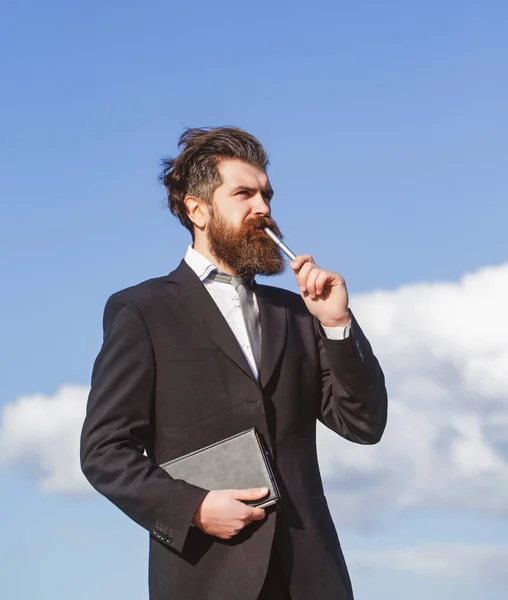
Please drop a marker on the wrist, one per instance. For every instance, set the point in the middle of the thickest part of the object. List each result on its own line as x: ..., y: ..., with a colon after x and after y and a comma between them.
x: 197, y: 518
x: 340, y: 322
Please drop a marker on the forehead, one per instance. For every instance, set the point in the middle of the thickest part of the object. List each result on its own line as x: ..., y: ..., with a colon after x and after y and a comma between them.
x: 236, y: 173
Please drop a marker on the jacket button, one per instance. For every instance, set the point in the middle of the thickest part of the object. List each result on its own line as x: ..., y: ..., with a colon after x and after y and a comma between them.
x: 169, y: 539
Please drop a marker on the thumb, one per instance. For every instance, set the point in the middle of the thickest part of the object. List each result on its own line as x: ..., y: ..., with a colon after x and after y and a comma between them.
x: 250, y: 494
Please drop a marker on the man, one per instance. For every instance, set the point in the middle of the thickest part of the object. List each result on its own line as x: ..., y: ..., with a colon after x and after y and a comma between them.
x: 188, y: 359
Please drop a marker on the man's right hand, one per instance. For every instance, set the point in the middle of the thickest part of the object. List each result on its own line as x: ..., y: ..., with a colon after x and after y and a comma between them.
x: 223, y: 514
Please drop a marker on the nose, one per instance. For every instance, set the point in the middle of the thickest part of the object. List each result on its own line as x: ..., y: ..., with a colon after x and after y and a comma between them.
x: 261, y: 205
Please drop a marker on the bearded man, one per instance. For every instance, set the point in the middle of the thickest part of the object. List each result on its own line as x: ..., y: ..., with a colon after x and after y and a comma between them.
x: 186, y: 362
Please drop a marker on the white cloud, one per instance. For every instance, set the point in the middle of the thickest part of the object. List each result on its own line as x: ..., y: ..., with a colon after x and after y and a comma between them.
x: 444, y: 350
x: 43, y: 431
x: 441, y: 562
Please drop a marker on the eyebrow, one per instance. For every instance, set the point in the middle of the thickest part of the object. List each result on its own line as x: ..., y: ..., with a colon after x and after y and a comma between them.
x: 268, y: 191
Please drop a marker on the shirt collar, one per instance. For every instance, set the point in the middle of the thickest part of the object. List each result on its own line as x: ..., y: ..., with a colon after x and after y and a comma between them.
x: 203, y: 267
x: 199, y: 263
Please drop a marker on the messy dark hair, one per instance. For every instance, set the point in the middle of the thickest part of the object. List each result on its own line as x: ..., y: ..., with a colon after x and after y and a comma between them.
x: 195, y: 171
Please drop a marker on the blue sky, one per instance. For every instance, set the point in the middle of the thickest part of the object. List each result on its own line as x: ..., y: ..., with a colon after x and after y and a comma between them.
x: 386, y: 125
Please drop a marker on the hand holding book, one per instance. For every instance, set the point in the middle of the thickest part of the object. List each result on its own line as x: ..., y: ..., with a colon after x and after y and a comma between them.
x: 238, y: 472
x: 223, y: 513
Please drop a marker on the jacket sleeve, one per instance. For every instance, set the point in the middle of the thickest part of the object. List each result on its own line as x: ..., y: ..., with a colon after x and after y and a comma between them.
x: 354, y: 399
x: 118, y: 432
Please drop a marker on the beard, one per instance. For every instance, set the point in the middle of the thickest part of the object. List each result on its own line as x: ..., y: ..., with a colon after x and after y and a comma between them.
x: 246, y: 250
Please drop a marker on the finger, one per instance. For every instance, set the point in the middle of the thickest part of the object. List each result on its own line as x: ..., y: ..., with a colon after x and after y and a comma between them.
x: 250, y: 494
x: 256, y: 514
x: 311, y: 282
x: 300, y: 260
x: 321, y: 280
x: 303, y: 275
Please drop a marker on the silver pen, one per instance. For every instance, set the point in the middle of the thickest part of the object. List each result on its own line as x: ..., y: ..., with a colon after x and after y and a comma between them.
x: 279, y: 243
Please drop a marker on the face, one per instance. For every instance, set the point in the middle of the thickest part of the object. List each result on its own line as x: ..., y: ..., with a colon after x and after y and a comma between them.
x: 240, y: 211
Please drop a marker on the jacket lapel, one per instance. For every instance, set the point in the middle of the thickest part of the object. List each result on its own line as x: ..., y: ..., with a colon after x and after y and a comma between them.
x: 273, y: 326
x: 190, y: 293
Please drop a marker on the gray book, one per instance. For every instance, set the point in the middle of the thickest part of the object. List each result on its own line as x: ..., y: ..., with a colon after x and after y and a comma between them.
x: 241, y: 461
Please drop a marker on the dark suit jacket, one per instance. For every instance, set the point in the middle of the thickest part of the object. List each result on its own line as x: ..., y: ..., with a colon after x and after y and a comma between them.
x: 171, y: 378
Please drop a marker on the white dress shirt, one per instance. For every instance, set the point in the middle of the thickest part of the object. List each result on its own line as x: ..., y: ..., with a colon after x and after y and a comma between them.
x: 226, y: 299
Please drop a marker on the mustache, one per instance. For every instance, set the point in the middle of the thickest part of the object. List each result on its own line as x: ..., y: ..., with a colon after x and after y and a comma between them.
x: 259, y: 223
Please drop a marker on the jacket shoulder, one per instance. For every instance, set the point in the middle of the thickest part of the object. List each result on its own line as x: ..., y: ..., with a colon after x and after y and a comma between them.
x: 140, y: 294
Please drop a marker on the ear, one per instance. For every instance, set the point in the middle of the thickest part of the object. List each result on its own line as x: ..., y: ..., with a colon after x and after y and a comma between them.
x: 197, y: 211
